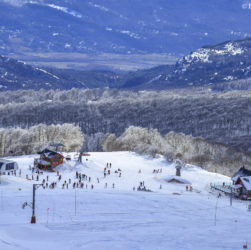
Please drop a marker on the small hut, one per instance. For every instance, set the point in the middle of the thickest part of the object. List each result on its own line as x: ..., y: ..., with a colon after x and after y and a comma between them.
x: 49, y: 159
x: 177, y: 179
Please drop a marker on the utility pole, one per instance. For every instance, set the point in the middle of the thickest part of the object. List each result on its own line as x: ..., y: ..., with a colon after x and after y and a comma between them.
x: 216, y: 205
x: 231, y: 196
x: 75, y: 202
x: 33, y: 217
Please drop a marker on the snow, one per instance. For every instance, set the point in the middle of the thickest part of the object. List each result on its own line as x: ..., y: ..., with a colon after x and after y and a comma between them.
x: 131, y: 34
x: 120, y: 218
x: 203, y: 54
x: 46, y: 72
x: 98, y: 6
x: 246, y: 182
x: 67, y: 45
x: 228, y: 78
x: 54, y: 6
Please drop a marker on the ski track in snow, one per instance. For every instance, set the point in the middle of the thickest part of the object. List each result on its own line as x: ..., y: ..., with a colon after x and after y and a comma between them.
x: 121, y: 218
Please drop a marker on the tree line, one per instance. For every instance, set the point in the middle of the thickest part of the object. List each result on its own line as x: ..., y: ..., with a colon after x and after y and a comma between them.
x: 221, y: 117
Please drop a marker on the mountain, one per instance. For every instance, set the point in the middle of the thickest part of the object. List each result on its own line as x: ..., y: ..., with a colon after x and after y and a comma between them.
x: 222, y: 66
x: 38, y: 27
x: 15, y: 75
x: 223, y: 63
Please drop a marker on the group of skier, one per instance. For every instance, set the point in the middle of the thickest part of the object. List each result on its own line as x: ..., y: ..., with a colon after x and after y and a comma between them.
x: 157, y: 171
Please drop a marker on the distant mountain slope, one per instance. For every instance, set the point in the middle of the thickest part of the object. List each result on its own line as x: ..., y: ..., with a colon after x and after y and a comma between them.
x: 16, y: 75
x: 223, y: 66
x: 127, y: 27
x: 223, y: 63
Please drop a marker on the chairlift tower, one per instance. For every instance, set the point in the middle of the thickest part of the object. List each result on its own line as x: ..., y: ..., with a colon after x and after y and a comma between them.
x: 33, y: 203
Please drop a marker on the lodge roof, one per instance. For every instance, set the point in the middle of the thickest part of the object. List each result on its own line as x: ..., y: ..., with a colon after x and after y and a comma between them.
x: 5, y: 161
x: 246, y: 181
x: 241, y: 172
x: 49, y: 153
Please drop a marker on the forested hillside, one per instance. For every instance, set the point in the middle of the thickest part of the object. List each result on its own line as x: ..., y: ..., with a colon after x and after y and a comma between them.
x: 221, y: 117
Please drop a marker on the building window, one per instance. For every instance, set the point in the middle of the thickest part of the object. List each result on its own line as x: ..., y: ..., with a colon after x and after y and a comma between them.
x: 10, y: 166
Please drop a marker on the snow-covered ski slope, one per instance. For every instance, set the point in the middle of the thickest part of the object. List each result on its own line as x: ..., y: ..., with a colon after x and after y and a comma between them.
x: 120, y: 218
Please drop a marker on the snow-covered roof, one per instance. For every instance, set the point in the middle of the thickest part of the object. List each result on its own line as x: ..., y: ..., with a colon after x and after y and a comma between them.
x: 235, y: 178
x: 246, y: 181
x: 50, y: 154
x: 5, y: 161
x: 176, y: 178
x: 241, y: 172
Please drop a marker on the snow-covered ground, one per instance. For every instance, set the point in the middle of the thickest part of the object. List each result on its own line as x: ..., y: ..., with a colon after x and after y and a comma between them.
x: 119, y: 217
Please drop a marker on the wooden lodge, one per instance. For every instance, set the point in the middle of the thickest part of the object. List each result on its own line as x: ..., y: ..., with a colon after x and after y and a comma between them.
x: 49, y: 159
x: 243, y: 186
x: 242, y: 183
